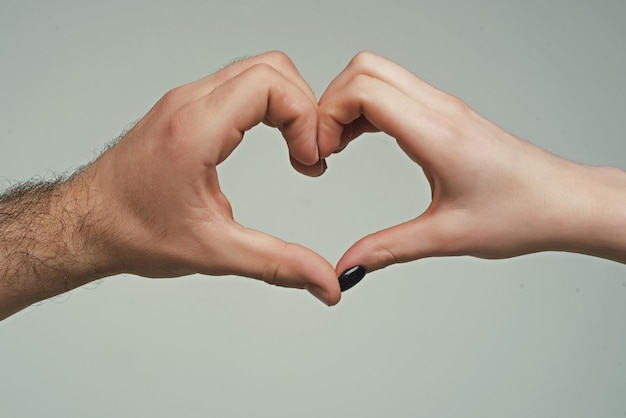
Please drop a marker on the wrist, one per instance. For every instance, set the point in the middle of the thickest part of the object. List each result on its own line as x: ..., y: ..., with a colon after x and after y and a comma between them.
x: 79, y: 211
x: 592, y: 217
x: 44, y: 242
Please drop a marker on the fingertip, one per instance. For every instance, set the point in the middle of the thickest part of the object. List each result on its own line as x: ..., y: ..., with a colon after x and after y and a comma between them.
x: 328, y: 298
x: 302, y: 144
x: 322, y: 283
x: 351, y: 277
x: 329, y: 133
x: 314, y: 170
x: 334, y: 298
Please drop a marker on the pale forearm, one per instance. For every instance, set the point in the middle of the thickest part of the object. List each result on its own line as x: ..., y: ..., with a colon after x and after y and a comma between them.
x: 43, y: 245
x: 600, y: 229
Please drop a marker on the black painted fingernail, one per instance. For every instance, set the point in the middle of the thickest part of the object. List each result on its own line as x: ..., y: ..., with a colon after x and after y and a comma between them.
x: 350, y: 277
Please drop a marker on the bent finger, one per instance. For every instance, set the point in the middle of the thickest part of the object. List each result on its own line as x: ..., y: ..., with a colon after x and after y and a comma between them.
x: 257, y: 94
x: 417, y: 129
x: 276, y: 59
x: 373, y: 65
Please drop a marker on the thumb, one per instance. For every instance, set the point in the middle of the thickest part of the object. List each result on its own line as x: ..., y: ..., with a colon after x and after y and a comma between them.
x: 426, y: 236
x: 257, y: 255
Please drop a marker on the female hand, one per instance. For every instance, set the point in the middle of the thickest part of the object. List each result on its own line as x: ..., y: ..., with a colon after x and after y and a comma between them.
x: 493, y: 195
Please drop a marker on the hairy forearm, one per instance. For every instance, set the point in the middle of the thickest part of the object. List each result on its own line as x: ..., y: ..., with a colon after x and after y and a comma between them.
x: 44, y: 245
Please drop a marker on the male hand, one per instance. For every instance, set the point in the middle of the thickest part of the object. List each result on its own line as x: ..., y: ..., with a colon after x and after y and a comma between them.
x: 156, y: 198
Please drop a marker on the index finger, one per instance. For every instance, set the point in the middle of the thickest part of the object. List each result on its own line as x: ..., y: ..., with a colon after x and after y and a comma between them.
x: 276, y: 59
x: 365, y: 68
x: 257, y: 94
x: 416, y: 127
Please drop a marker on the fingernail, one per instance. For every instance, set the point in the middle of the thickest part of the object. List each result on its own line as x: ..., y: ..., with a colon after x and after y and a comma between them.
x: 324, y: 166
x: 318, y: 292
x: 350, y: 277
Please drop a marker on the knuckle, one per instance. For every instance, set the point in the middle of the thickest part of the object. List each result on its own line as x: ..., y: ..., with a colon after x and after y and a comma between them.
x: 385, y: 256
x: 271, y: 272
x: 363, y: 60
x: 258, y: 79
x: 279, y: 59
x: 362, y: 83
x: 389, y: 256
x: 383, y: 253
x: 262, y: 71
x: 171, y: 99
x: 361, y: 80
x: 286, y: 267
x: 458, y: 106
x: 176, y: 125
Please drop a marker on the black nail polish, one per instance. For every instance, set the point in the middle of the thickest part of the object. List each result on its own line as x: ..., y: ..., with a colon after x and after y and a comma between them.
x: 350, y: 277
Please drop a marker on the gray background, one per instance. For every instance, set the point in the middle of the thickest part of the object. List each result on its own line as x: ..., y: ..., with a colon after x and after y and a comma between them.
x: 537, y: 336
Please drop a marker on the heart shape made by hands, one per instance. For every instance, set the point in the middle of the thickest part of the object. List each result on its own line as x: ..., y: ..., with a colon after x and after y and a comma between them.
x: 171, y: 157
